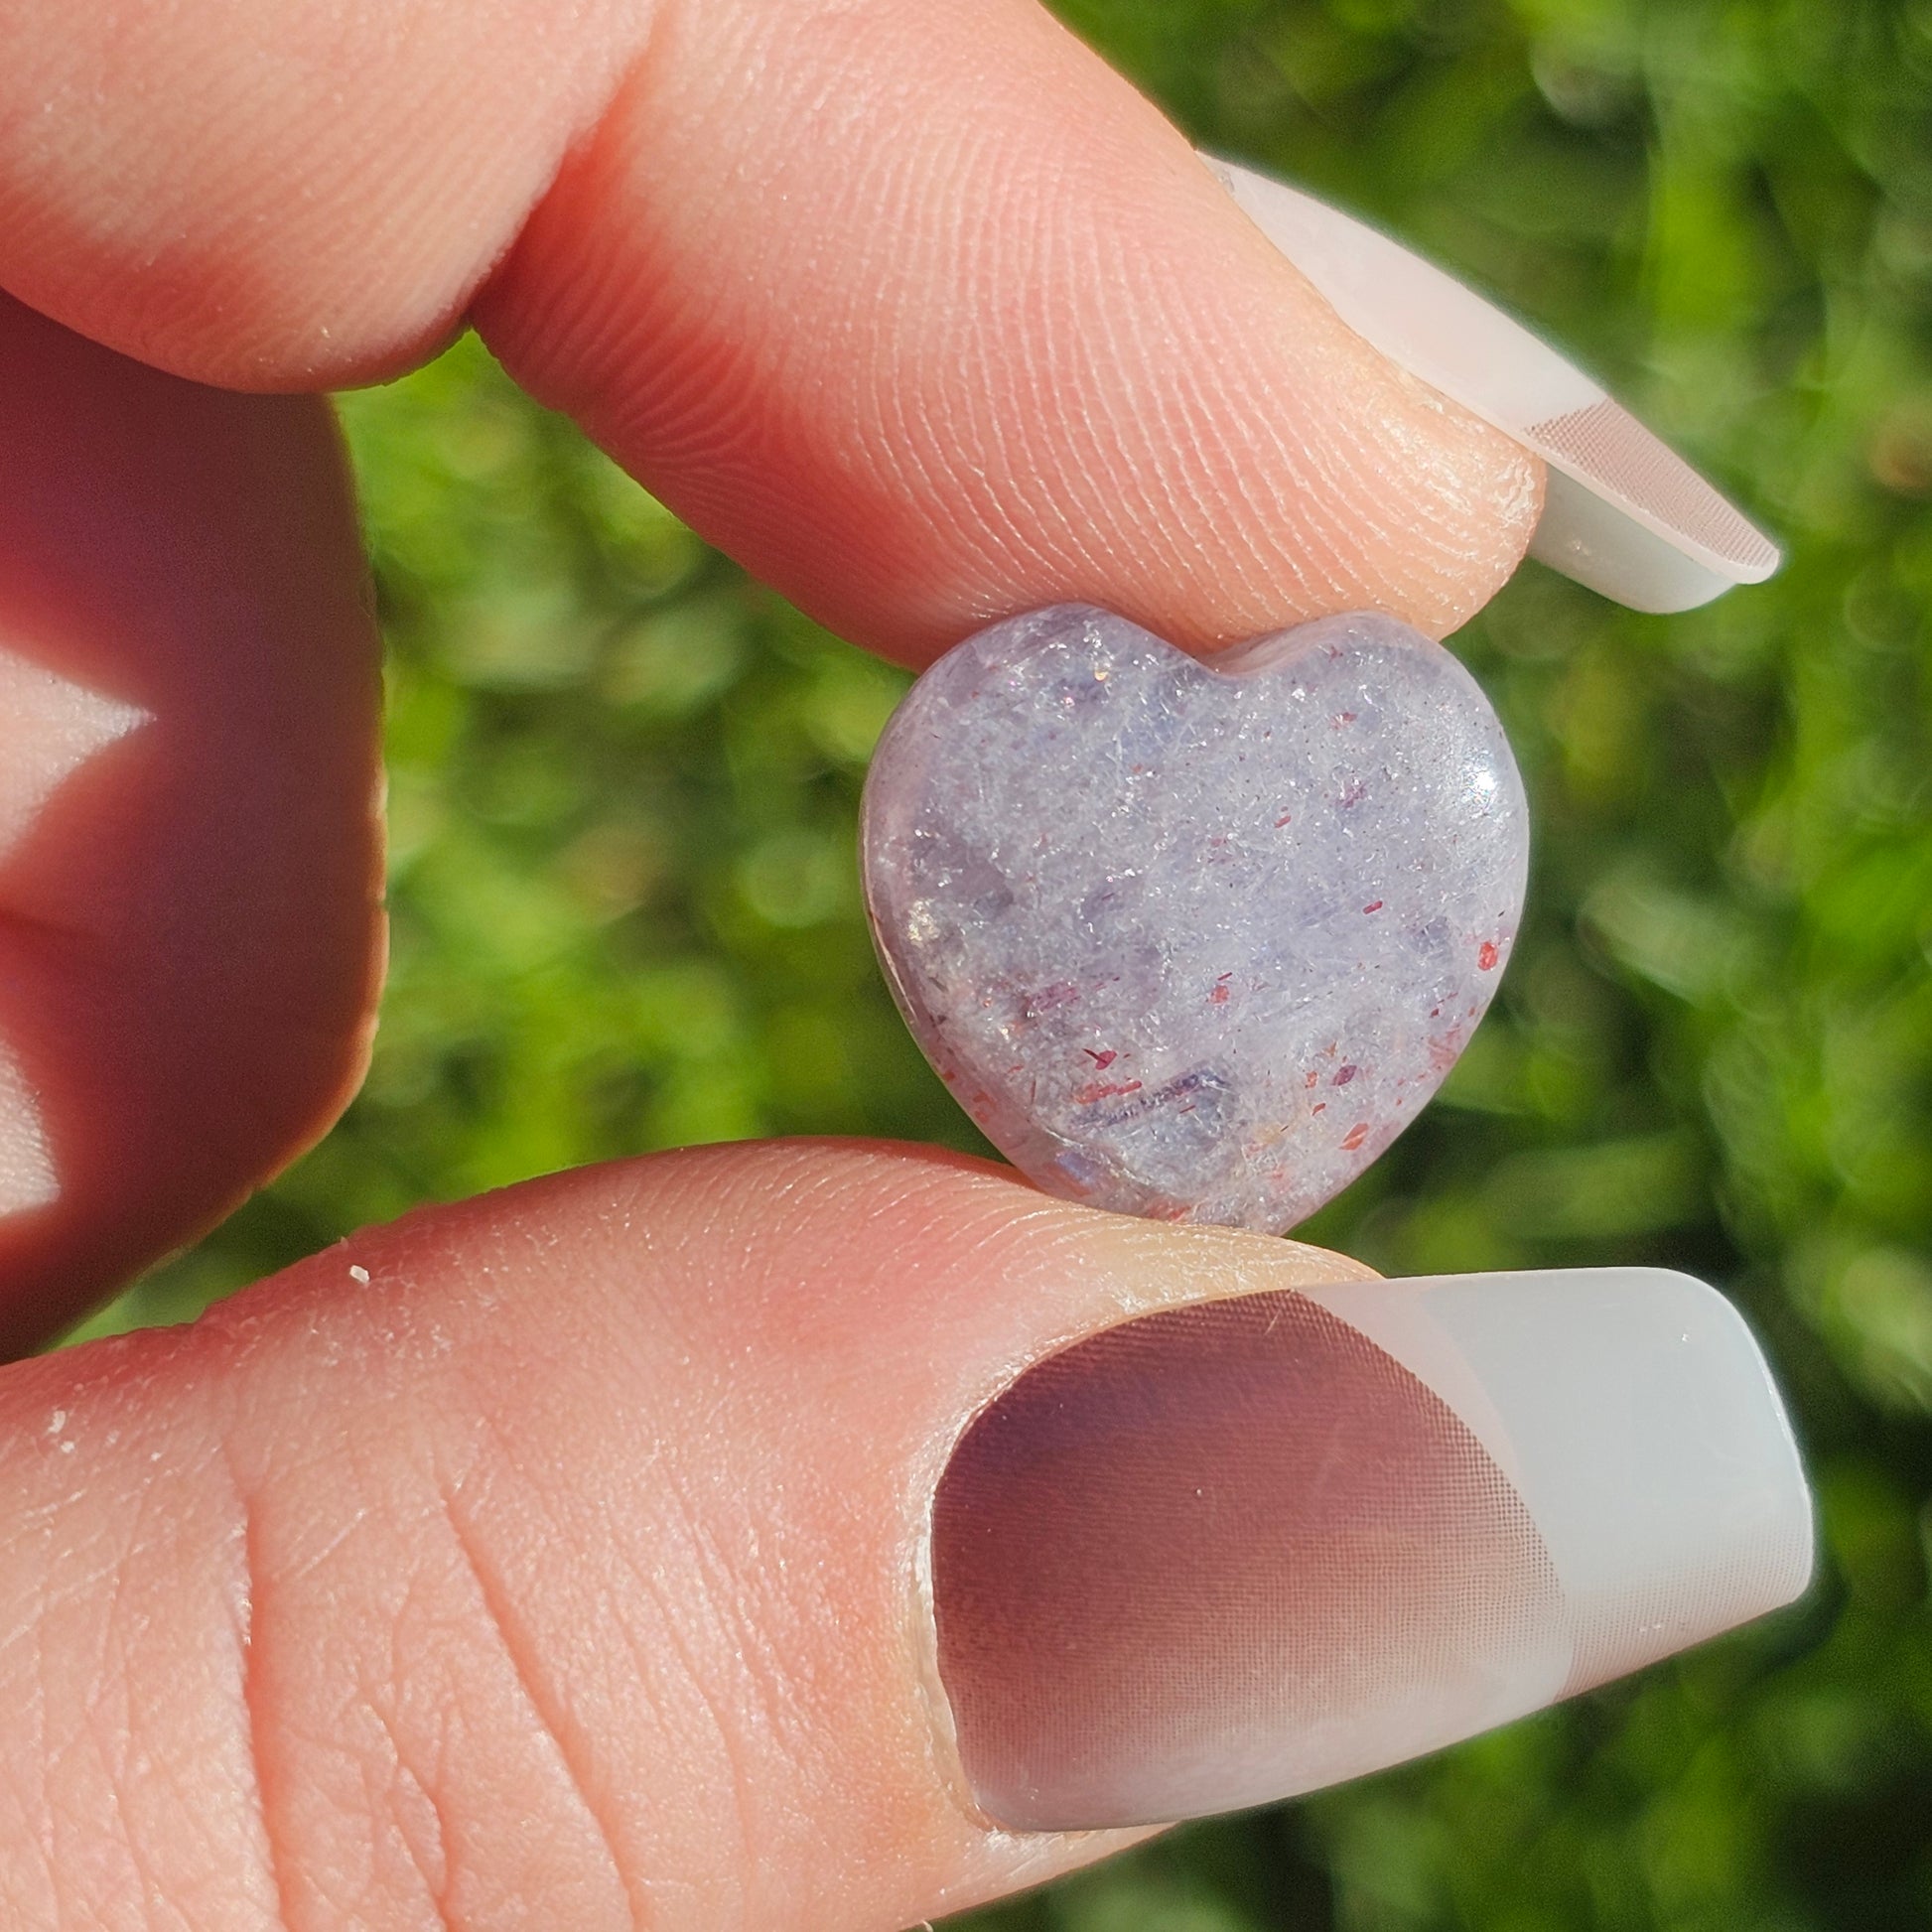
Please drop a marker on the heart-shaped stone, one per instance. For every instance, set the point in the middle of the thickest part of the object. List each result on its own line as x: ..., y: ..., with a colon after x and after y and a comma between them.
x: 1194, y: 940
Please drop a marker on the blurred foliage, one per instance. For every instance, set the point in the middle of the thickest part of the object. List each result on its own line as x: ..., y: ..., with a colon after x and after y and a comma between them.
x: 624, y: 791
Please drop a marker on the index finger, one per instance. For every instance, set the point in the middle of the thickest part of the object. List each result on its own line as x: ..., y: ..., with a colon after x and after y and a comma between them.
x: 917, y: 310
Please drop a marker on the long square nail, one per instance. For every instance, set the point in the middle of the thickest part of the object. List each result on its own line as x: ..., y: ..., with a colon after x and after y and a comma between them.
x: 1622, y: 512
x: 1241, y: 1549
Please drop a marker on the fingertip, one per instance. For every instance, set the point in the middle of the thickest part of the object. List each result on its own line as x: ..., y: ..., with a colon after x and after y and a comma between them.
x: 988, y: 337
x: 918, y: 310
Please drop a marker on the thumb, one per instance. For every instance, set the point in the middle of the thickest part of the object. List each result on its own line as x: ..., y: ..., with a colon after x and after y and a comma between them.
x: 811, y: 1535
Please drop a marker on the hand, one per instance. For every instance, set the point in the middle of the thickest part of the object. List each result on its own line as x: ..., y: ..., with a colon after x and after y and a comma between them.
x: 563, y: 1572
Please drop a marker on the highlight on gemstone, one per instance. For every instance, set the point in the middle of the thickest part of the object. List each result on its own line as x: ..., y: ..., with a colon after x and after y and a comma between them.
x: 1189, y: 940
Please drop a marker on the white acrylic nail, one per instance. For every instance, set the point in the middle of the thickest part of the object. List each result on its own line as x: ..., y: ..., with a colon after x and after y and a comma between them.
x: 1240, y: 1549
x: 1622, y: 514
x: 1632, y: 1412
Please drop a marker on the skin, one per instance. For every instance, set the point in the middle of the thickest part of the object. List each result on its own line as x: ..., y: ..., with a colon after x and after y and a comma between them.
x: 564, y: 1573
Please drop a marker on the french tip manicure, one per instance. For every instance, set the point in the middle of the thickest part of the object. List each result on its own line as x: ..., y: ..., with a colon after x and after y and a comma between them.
x: 1622, y: 514
x: 1241, y: 1549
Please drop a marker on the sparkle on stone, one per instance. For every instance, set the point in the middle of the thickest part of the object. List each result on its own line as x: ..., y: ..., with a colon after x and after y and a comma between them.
x: 1188, y: 941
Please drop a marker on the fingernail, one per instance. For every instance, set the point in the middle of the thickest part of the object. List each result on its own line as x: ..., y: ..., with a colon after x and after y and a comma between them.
x: 1622, y: 512
x: 1238, y: 1550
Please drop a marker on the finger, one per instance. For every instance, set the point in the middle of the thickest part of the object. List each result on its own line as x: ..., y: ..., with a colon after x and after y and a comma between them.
x: 802, y: 1536
x: 188, y: 855
x: 926, y: 316
x: 916, y: 309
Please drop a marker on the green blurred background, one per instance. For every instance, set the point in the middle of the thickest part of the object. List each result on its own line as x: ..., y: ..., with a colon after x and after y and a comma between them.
x: 624, y: 789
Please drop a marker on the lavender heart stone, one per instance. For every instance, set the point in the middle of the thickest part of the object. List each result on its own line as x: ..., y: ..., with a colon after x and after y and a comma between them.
x: 1188, y: 941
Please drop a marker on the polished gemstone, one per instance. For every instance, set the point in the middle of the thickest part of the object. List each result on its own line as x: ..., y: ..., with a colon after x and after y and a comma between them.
x: 1194, y: 940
